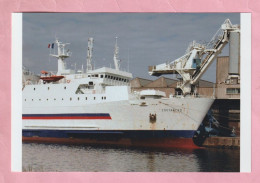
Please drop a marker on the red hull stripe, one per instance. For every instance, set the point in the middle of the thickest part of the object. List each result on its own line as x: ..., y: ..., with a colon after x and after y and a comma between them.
x: 151, y: 143
x: 66, y: 116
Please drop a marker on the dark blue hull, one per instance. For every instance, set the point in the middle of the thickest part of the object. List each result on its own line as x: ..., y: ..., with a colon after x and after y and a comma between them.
x: 147, y: 138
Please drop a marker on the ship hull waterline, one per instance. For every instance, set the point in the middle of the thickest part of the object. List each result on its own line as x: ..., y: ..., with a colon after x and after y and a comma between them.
x: 128, y: 138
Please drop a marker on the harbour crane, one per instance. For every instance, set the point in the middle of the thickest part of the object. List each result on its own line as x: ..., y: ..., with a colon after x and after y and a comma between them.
x: 197, y: 58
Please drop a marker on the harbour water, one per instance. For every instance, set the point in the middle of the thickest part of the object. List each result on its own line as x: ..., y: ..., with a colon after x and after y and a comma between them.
x: 67, y: 158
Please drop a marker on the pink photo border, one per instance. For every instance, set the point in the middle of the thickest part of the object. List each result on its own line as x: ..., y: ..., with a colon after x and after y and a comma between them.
x: 11, y: 6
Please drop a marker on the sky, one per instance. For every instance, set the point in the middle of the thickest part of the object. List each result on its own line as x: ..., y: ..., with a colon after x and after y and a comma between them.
x: 144, y: 39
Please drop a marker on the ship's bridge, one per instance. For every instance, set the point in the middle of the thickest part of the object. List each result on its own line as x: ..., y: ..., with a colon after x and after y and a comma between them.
x: 111, y: 77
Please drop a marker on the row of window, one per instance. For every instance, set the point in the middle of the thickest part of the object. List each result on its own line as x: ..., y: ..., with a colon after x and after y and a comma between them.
x: 86, y: 98
x: 109, y: 77
x: 49, y: 88
x: 233, y: 91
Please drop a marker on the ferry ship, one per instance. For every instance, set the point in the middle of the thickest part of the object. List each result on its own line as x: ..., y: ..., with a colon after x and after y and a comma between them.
x: 97, y: 107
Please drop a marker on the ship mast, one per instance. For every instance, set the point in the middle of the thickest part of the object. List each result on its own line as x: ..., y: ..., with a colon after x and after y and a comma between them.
x: 89, y: 54
x: 61, y: 56
x: 116, y: 53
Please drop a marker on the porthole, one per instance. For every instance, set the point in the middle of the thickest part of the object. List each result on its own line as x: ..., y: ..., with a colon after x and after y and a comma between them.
x: 105, y: 98
x: 33, y: 88
x: 70, y: 98
x: 32, y: 99
x: 64, y: 87
x: 94, y: 98
x: 55, y: 99
x: 39, y: 99
x: 62, y: 99
x: 78, y: 98
x: 47, y: 99
x: 24, y: 99
x: 86, y: 98
x: 48, y: 88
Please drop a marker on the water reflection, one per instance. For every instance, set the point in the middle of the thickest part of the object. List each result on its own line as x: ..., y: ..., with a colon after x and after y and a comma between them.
x: 43, y: 157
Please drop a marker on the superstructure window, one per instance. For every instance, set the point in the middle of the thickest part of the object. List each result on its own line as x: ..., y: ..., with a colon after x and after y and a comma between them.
x: 78, y: 98
x: 233, y: 91
x: 65, y: 87
x: 101, y: 76
x: 33, y: 88
x: 94, y: 98
x: 70, y: 98
x: 105, y: 76
x: 86, y: 98
x: 48, y: 88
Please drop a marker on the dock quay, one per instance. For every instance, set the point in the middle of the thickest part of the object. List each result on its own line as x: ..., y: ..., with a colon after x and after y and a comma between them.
x: 222, y: 142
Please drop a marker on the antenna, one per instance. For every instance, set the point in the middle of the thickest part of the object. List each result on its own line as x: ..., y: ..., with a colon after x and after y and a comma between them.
x: 116, y: 52
x: 89, y: 54
x: 128, y: 61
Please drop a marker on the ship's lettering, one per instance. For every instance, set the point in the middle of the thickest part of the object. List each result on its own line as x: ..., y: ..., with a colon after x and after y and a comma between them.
x: 171, y: 110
